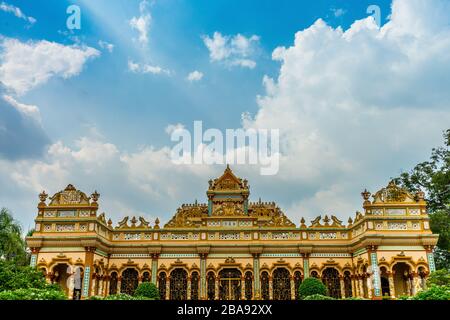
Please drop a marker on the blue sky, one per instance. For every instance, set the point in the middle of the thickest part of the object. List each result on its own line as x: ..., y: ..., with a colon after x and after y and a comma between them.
x: 96, y: 122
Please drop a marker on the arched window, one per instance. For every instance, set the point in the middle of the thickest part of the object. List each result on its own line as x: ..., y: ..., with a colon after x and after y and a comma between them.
x: 129, y: 281
x: 178, y: 284
x: 314, y: 274
x: 384, y: 279
x: 211, y: 284
x: 265, y: 285
x: 146, y: 276
x: 348, y: 284
x: 248, y: 285
x: 162, y: 285
x: 113, y: 283
x: 281, y: 284
x: 297, y: 282
x: 330, y: 277
x: 195, y: 279
x: 230, y: 284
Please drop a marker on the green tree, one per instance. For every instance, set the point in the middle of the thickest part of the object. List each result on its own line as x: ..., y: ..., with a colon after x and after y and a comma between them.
x: 311, y: 286
x: 439, y: 278
x: 433, y: 177
x: 12, y: 245
x: 14, y: 276
x: 147, y: 290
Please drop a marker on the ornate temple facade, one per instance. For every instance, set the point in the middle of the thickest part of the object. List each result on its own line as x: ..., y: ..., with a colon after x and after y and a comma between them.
x: 231, y: 248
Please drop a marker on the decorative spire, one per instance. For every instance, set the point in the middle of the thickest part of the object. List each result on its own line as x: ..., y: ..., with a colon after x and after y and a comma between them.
x: 365, y: 194
x: 156, y: 224
x: 43, y: 196
x: 95, y: 196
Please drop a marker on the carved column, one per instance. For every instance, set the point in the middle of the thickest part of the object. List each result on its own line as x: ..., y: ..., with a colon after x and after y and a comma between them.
x: 369, y: 287
x: 188, y: 293
x: 270, y: 288
x: 107, y: 285
x: 155, y: 257
x: 203, y: 291
x: 34, y: 256
x: 243, y: 287
x: 306, y: 265
x: 119, y: 284
x: 168, y: 288
x: 216, y: 287
x: 292, y: 288
x: 89, y: 260
x: 361, y: 287
x: 430, y: 258
x: 341, y: 282
x: 415, y: 283
x: 391, y: 284
x: 354, y: 290
x: 375, y: 278
x: 71, y: 284
x: 256, y: 282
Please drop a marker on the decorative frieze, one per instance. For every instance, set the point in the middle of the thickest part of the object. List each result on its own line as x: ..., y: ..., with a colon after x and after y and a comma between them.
x: 327, y: 235
x: 395, y: 212
x: 65, y: 227
x: 397, y: 226
x: 132, y: 236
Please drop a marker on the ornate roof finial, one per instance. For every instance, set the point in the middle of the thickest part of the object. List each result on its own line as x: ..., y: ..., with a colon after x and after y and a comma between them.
x: 365, y: 194
x: 43, y: 196
x: 109, y: 222
x: 95, y: 196
x: 156, y: 223
x: 350, y: 221
x: 133, y: 222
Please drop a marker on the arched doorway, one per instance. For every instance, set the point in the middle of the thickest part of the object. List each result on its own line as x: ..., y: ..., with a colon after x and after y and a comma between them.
x: 178, y: 284
x: 195, y: 280
x: 129, y: 281
x: 281, y: 284
x: 248, y: 285
x: 265, y: 295
x: 162, y: 280
x: 348, y: 284
x: 384, y: 278
x: 230, y: 284
x: 330, y: 277
x: 211, y: 285
x: 402, y: 279
x: 77, y: 283
x: 113, y: 281
x: 61, y: 275
x: 297, y: 282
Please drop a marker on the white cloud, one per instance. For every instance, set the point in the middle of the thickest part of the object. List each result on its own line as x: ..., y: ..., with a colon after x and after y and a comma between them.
x: 16, y: 11
x: 146, y: 68
x: 356, y: 107
x: 25, y: 109
x: 25, y: 65
x: 236, y: 50
x: 142, y: 23
x: 195, y: 76
x: 106, y: 45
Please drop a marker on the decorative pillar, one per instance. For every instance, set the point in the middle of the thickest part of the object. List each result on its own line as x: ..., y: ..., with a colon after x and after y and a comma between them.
x: 369, y: 287
x: 415, y: 283
x: 306, y: 265
x: 270, y: 288
x: 107, y: 285
x: 292, y: 288
x: 216, y: 288
x: 243, y: 287
x: 341, y: 282
x: 89, y: 260
x: 155, y: 257
x: 119, y: 284
x: 168, y: 288
x: 188, y: 293
x: 355, y: 292
x: 203, y: 291
x: 71, y: 283
x: 34, y: 257
x: 256, y: 282
x: 361, y: 287
x: 375, y: 272
x: 430, y: 258
x: 391, y: 284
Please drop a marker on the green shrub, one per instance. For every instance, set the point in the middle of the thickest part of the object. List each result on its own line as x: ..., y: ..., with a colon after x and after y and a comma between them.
x: 33, y: 294
x: 434, y: 293
x: 123, y: 296
x: 14, y: 277
x: 318, y: 297
x: 148, y: 290
x: 311, y: 286
x: 354, y: 298
x: 439, y: 278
